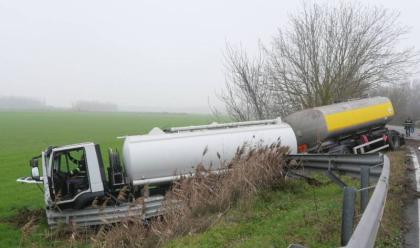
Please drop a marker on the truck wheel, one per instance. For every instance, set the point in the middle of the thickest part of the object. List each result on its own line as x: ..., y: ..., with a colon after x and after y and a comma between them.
x: 341, y: 149
x: 393, y: 140
x: 346, y: 150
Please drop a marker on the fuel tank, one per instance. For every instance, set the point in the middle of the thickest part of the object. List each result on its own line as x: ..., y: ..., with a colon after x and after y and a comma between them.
x: 159, y: 156
x: 321, y: 123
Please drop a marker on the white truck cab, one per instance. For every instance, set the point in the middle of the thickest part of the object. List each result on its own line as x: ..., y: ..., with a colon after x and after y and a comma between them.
x: 72, y: 175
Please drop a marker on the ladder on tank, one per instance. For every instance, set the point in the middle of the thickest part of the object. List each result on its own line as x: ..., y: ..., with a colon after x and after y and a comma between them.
x: 216, y: 125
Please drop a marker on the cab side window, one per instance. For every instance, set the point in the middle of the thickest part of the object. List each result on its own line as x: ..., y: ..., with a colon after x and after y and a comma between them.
x: 70, y: 173
x: 76, y: 161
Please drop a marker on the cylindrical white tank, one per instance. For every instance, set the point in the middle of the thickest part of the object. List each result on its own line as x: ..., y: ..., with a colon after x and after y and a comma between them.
x: 160, y: 157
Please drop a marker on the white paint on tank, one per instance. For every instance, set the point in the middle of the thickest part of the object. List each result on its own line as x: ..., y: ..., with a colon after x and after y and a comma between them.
x: 169, y: 154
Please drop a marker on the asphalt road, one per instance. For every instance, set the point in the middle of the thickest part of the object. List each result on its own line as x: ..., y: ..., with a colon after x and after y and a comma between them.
x: 414, y: 136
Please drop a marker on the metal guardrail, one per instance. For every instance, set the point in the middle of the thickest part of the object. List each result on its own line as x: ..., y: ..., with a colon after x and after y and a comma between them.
x: 365, y: 233
x: 96, y: 216
x: 368, y: 167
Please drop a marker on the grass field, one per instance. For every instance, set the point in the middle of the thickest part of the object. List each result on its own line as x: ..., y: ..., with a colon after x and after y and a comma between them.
x: 297, y: 214
x: 24, y: 135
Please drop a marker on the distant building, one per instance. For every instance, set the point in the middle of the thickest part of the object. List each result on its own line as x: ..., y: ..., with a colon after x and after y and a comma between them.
x: 91, y: 106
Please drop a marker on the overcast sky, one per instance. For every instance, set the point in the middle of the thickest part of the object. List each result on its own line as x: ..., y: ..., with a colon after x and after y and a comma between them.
x: 158, y: 55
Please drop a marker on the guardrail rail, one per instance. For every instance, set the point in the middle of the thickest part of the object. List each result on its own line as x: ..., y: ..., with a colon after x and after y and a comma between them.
x: 374, y: 171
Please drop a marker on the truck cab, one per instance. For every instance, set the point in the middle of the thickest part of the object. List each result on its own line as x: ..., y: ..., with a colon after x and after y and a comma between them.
x: 73, y: 176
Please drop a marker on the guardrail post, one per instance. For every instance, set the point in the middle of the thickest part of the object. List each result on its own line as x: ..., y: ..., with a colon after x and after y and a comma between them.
x: 364, y: 183
x: 347, y: 219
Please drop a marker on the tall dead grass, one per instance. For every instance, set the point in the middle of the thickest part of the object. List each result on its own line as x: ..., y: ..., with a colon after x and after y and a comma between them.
x: 194, y: 204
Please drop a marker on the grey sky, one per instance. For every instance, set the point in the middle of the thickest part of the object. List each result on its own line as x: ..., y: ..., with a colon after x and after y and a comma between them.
x: 161, y: 55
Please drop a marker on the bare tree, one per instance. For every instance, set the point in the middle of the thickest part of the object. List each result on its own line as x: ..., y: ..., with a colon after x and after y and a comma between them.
x: 400, y: 97
x: 404, y: 98
x: 246, y: 92
x: 413, y: 109
x: 328, y: 53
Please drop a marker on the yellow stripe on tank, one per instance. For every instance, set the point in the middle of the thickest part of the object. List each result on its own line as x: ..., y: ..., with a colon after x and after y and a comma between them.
x: 354, y: 117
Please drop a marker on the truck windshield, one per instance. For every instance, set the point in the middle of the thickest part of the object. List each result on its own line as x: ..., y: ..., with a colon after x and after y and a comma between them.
x: 69, y: 173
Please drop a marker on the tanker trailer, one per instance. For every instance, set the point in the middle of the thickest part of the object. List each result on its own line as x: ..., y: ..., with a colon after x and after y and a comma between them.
x: 74, y: 177
x: 349, y: 127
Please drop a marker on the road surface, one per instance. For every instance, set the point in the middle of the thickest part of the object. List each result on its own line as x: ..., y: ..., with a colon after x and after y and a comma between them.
x: 414, y: 136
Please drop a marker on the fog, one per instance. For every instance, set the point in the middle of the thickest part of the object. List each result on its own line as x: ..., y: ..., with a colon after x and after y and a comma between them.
x: 139, y: 55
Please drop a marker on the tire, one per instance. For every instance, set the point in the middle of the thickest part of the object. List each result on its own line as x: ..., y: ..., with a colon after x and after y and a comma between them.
x: 341, y: 149
x: 393, y: 140
x: 346, y: 150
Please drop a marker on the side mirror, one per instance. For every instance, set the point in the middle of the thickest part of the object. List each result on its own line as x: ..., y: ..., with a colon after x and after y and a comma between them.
x: 35, y: 171
x: 35, y: 174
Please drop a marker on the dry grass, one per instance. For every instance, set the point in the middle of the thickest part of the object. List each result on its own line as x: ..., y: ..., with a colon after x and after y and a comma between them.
x: 25, y: 216
x: 28, y: 220
x: 204, y: 199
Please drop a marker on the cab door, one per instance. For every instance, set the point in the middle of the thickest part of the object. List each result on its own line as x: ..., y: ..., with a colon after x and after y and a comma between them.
x: 77, y: 176
x: 69, y: 174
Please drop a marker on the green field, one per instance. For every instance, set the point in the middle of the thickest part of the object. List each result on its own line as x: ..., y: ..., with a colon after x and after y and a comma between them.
x: 24, y: 135
x: 296, y: 214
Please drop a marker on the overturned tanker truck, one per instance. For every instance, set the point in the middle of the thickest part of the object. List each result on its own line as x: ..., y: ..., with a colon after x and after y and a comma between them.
x: 357, y: 127
x: 74, y: 177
